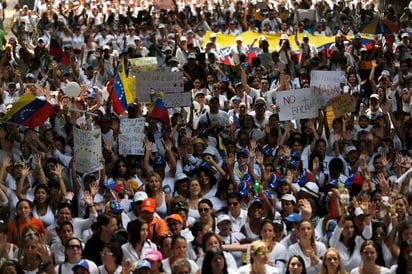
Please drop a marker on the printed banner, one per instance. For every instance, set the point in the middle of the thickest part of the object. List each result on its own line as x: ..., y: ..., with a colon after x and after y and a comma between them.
x: 326, y: 84
x: 131, y: 137
x: 87, y: 150
x: 297, y: 104
x: 144, y: 64
x: 158, y: 81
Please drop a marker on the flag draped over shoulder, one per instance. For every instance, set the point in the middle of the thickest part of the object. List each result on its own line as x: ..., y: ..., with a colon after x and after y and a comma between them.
x: 57, y: 52
x: 160, y: 113
x: 29, y: 111
x: 118, y: 88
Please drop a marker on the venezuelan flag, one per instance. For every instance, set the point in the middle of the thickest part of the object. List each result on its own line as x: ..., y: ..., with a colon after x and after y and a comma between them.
x: 57, y: 52
x: 118, y: 88
x: 29, y: 111
x: 160, y: 113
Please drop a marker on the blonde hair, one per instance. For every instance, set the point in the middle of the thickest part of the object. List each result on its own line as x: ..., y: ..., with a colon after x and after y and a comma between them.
x: 324, y: 268
x: 312, y: 238
x: 257, y: 246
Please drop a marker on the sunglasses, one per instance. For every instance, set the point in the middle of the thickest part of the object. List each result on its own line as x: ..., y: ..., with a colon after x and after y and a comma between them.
x: 73, y: 247
x: 203, y: 209
x: 106, y: 253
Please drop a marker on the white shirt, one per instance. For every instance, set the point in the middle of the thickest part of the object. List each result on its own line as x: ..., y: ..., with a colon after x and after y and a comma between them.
x: 246, y: 269
x: 130, y: 253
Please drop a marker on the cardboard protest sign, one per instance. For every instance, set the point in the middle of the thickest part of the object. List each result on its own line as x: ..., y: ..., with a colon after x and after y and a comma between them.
x: 87, y: 150
x: 342, y: 104
x: 297, y: 104
x: 132, y: 136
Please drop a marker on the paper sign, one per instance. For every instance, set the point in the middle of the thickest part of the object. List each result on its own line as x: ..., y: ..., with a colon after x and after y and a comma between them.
x: 305, y: 14
x: 87, y: 150
x: 342, y: 104
x: 132, y: 136
x: 297, y: 104
x: 144, y: 64
x: 326, y: 84
x: 163, y: 4
x: 157, y: 81
x: 182, y: 99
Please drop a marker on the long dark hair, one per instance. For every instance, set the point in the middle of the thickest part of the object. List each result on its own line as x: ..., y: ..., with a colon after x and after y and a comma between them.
x: 207, y: 262
x: 302, y: 262
x: 402, y: 263
x: 30, y: 205
x: 133, y: 230
x: 351, y: 241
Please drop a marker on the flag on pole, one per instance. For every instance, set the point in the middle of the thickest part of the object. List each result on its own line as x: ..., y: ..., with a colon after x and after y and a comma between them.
x: 29, y: 111
x: 117, y: 89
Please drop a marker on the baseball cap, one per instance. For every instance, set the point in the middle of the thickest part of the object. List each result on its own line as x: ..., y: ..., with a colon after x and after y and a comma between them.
x: 113, y: 207
x: 376, y: 96
x: 359, y: 212
x: 86, y: 265
x: 239, y: 38
x: 256, y: 201
x: 175, y: 217
x: 288, y: 197
x: 159, y: 161
x: 213, y: 35
x: 181, y: 176
x: 405, y: 35
x: 154, y: 255
x: 348, y: 149
x: 293, y: 218
x: 149, y: 204
x: 19, y: 163
x: 199, y: 92
x: 311, y: 188
x: 140, y: 265
x: 139, y: 196
x: 284, y: 37
x: 222, y: 218
x: 29, y: 75
x: 191, y: 56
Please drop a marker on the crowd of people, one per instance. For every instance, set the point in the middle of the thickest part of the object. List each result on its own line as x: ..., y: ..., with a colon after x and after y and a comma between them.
x: 226, y: 187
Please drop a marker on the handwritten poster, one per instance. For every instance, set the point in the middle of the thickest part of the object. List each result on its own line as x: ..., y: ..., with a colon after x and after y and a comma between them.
x: 297, y: 104
x: 326, y: 84
x: 166, y: 81
x: 174, y: 100
x: 87, y: 150
x: 342, y: 104
x: 132, y: 136
x: 163, y: 4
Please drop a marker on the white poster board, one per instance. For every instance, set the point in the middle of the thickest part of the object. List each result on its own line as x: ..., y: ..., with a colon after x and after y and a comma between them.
x: 297, y: 104
x: 326, y: 84
x: 87, y: 150
x: 305, y: 14
x: 132, y: 136
x: 157, y: 81
x: 174, y: 100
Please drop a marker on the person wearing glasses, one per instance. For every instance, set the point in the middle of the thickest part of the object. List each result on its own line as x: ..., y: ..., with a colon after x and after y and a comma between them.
x: 259, y: 256
x: 112, y: 256
x: 217, y: 92
x: 205, y: 208
x: 73, y: 250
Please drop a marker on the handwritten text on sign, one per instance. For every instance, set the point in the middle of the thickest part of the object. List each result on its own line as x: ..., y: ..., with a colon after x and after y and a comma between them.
x: 297, y: 104
x: 326, y: 84
x: 87, y: 150
x: 132, y: 136
x: 157, y: 81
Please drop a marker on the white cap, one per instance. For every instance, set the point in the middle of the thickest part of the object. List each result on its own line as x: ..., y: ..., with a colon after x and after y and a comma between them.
x: 139, y: 196
x: 222, y: 218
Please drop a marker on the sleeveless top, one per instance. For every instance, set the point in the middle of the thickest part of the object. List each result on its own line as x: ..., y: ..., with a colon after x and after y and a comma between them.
x: 47, y: 219
x: 162, y: 209
x: 250, y: 234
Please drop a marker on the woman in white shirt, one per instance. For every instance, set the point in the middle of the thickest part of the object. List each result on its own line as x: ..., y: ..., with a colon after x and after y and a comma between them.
x: 139, y: 244
x: 308, y: 248
x: 259, y: 255
x: 369, y: 253
x: 345, y: 240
